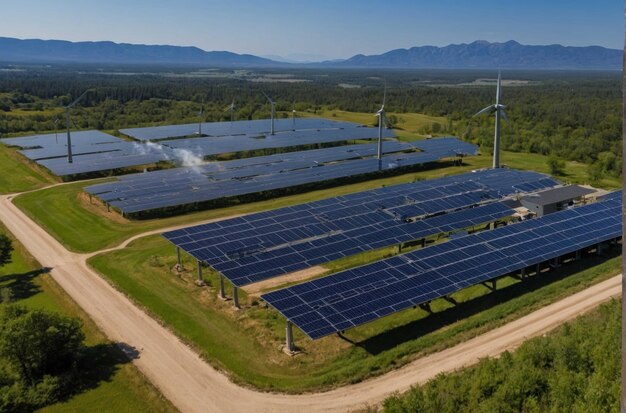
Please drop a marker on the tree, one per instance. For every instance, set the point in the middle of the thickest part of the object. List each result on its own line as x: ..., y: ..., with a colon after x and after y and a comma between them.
x: 6, y: 247
x: 38, y: 344
x: 556, y: 165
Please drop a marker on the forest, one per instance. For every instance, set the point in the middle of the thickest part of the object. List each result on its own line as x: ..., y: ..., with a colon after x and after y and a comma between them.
x: 575, y: 369
x: 568, y: 115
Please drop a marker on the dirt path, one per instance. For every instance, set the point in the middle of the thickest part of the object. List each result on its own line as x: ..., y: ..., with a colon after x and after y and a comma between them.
x: 194, y: 386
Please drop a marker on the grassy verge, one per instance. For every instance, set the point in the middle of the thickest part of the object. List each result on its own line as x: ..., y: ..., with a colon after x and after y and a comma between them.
x: 113, y: 383
x: 18, y: 175
x: 246, y: 343
x: 67, y: 215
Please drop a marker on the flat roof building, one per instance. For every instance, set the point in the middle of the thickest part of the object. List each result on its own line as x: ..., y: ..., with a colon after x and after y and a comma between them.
x: 553, y: 200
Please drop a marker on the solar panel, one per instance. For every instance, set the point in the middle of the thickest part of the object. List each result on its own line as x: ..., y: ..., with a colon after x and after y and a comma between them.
x: 268, y: 244
x: 155, y: 190
x: 353, y: 297
x: 247, y: 127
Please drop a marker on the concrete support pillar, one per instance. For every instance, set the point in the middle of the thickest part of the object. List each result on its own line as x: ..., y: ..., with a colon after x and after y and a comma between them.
x: 236, y: 297
x: 200, y: 281
x: 179, y: 266
x: 222, y: 293
x: 291, y: 348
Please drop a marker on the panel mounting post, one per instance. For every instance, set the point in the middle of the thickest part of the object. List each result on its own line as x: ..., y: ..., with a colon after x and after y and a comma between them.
x: 200, y: 281
x: 289, y: 346
x: 222, y: 293
x: 179, y: 266
x: 236, y: 297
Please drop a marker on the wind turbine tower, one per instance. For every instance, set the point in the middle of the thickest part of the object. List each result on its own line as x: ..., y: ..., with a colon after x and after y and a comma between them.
x: 273, y: 114
x: 498, y: 109
x: 67, y: 123
x: 382, y: 120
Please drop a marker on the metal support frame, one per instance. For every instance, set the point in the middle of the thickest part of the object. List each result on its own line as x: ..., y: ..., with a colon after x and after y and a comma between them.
x: 179, y: 266
x: 493, y: 285
x: 450, y: 299
x: 577, y: 256
x: 555, y: 262
x: 289, y: 345
x: 426, y: 307
x: 599, y: 248
x: 523, y: 274
x: 538, y: 271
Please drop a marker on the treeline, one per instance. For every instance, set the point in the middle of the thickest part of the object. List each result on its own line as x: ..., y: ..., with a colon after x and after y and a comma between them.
x: 570, y: 115
x: 576, y: 370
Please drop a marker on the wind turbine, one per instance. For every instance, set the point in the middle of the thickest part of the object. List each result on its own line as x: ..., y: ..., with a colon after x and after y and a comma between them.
x: 67, y: 122
x: 200, y: 116
x: 273, y: 105
x: 499, y: 111
x: 231, y: 107
x: 382, y: 120
x: 293, y: 116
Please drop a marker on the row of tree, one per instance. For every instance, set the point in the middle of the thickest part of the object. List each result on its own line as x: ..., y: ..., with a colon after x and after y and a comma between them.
x: 574, y: 370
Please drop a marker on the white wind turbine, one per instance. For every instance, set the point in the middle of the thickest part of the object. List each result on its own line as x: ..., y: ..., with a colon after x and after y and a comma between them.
x: 231, y: 108
x: 498, y: 108
x: 382, y: 120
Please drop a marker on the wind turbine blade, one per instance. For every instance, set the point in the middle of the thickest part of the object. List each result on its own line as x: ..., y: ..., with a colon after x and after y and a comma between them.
x: 488, y: 109
x: 503, y: 114
x: 268, y: 98
x: 385, y: 94
x: 498, y: 92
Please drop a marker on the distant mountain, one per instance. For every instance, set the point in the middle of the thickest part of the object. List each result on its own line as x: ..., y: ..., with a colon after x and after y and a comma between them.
x: 482, y: 54
x: 59, y: 51
x: 479, y: 54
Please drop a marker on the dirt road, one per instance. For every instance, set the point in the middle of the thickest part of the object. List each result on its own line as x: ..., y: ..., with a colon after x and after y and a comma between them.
x: 194, y: 386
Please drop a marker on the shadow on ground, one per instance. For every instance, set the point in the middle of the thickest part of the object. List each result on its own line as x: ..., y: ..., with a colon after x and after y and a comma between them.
x: 22, y: 286
x: 413, y: 330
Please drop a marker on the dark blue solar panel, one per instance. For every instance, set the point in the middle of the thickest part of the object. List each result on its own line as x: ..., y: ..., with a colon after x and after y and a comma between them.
x: 366, y: 293
x: 252, y: 127
x: 254, y: 247
x: 154, y: 190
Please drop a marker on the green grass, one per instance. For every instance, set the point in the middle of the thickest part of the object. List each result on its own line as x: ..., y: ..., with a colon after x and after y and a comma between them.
x: 115, y: 384
x: 246, y: 343
x: 18, y: 175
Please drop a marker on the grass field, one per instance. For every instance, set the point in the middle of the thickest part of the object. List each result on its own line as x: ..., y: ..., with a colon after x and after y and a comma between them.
x: 70, y: 218
x: 247, y: 343
x: 114, y: 385
x: 18, y: 175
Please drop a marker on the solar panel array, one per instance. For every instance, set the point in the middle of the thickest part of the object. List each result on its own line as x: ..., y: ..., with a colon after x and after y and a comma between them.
x: 351, y: 298
x: 95, y: 151
x: 245, y: 127
x: 226, y: 144
x: 140, y: 193
x: 92, y: 151
x: 260, y: 246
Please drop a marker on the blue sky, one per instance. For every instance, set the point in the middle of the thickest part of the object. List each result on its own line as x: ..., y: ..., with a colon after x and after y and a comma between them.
x: 321, y: 28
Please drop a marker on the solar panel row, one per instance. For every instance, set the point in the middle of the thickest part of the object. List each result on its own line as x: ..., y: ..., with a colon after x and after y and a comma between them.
x: 226, y: 144
x: 197, y: 185
x: 245, y: 127
x: 268, y: 244
x: 351, y: 298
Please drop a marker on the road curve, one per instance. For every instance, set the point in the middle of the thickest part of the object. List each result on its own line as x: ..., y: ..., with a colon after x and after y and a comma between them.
x: 194, y: 386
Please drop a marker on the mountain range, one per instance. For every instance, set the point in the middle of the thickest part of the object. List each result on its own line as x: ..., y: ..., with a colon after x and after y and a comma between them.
x: 478, y: 54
